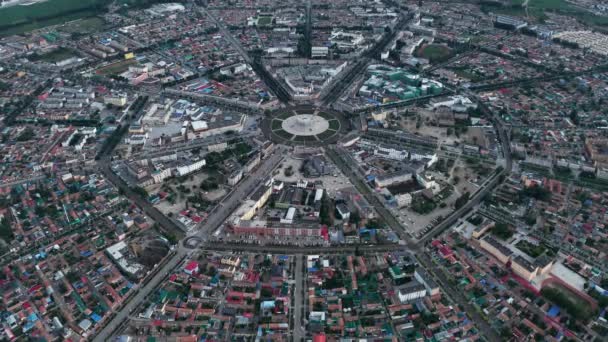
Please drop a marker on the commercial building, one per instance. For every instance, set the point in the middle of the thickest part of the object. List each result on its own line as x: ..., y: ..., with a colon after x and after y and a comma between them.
x: 319, y: 52
x: 523, y: 268
x: 411, y: 292
x: 189, y: 167
x: 397, y: 137
x: 269, y: 229
x: 403, y: 200
x: 497, y: 249
x: 393, y: 178
x: 425, y: 279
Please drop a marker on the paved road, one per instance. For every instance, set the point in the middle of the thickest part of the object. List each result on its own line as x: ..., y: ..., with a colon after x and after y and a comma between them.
x: 289, y: 249
x: 298, y: 328
x: 457, y: 296
x: 121, y: 316
x: 213, y: 221
x: 416, y: 247
x: 165, y: 223
x: 23, y: 181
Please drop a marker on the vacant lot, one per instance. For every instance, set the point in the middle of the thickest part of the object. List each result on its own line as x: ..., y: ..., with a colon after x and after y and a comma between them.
x: 115, y: 68
x: 82, y: 26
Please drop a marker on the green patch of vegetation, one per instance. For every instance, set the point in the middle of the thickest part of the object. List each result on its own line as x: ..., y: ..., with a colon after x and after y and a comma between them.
x: 6, y: 232
x: 115, y: 68
x: 284, y: 115
x: 602, y: 300
x: 265, y: 20
x: 54, y: 56
x: 140, y: 191
x: 577, y: 308
x: 502, y: 231
x: 209, y: 184
x: 83, y: 26
x: 326, y: 115
x: 305, y: 138
x: 462, y: 200
x: 334, y: 124
x: 467, y: 73
x: 538, y: 9
x: 283, y: 134
x: 530, y: 249
x: 19, y: 19
x: 327, y: 134
x: 435, y: 53
x: 276, y: 124
x: 26, y: 135
x: 423, y: 206
x: 537, y: 192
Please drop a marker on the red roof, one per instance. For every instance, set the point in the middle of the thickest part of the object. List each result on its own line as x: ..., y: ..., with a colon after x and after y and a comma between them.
x: 319, y: 338
x: 445, y: 251
x: 192, y: 265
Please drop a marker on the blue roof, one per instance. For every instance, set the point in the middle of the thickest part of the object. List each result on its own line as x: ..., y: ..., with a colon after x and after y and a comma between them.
x: 554, y: 311
x: 95, y: 317
x: 267, y: 304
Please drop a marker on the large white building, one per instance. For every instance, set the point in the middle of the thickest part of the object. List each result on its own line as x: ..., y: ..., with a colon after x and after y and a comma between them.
x: 403, y: 200
x: 411, y: 292
x: 393, y: 178
x: 218, y: 124
x: 319, y: 51
x: 189, y: 167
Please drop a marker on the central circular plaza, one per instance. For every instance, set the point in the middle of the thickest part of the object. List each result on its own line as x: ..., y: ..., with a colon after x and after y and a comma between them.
x: 305, y: 124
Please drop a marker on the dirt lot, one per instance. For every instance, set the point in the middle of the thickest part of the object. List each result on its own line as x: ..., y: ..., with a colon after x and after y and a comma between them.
x: 192, y: 183
x: 332, y: 183
x: 424, y: 118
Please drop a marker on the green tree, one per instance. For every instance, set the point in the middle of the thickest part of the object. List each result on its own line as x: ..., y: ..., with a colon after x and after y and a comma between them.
x: 6, y: 233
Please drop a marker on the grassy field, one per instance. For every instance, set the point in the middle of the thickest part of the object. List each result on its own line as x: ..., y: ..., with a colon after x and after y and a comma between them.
x: 42, y: 23
x: 327, y: 134
x: 468, y: 74
x: 21, y: 19
x: 115, y: 68
x: 530, y: 249
x: 54, y: 56
x: 283, y: 134
x: 334, y: 125
x: 539, y: 8
x: 276, y: 124
x: 435, y: 53
x: 569, y: 301
x: 15, y: 15
x: 86, y: 25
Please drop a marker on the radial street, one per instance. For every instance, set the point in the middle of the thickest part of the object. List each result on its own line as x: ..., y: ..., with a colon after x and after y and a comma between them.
x: 214, y: 220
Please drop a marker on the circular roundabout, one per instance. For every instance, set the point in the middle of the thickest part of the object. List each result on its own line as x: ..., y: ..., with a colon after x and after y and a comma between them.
x: 304, y: 125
